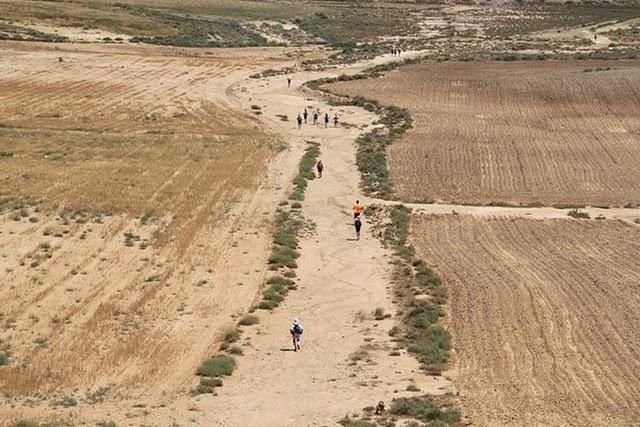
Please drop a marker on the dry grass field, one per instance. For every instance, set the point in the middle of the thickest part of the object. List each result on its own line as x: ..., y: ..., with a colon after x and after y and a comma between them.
x: 544, y: 315
x: 546, y: 132
x: 127, y: 185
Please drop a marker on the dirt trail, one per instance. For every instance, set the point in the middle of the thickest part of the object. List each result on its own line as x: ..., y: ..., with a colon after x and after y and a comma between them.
x: 339, y: 279
x: 341, y: 282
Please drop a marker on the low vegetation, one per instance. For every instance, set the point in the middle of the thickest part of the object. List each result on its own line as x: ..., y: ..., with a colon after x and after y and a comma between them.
x: 305, y: 171
x: 578, y: 213
x: 249, y: 320
x: 420, y: 290
x: 216, y: 366
x: 277, y: 288
x: 371, y: 154
x: 285, y: 241
x: 424, y: 409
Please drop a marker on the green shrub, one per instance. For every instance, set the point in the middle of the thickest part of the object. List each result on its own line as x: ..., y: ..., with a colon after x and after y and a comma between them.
x: 217, y: 366
x: 578, y: 213
x: 234, y: 349
x: 433, y: 349
x: 423, y: 409
x: 350, y: 422
x: 249, y: 320
x: 284, y: 257
x: 232, y: 336
x: 425, y: 314
x: 208, y: 385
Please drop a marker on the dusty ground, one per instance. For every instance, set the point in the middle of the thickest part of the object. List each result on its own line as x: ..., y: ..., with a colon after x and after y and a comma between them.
x: 132, y: 322
x: 526, y: 133
x: 543, y: 314
x: 152, y: 184
x: 129, y: 187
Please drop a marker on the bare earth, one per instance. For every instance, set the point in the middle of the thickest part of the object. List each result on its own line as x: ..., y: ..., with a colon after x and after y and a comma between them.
x: 143, y: 187
x: 544, y: 315
x: 122, y: 328
x: 525, y: 133
x: 153, y: 185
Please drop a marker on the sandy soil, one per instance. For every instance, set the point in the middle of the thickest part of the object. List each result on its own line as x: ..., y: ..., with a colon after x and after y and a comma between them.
x: 146, y: 336
x: 340, y: 281
x: 98, y: 149
x: 543, y: 314
x: 542, y: 133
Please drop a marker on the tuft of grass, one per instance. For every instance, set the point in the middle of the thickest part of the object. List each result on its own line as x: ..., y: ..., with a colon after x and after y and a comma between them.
x: 5, y: 353
x: 235, y: 350
x: 379, y: 314
x: 578, y: 213
x: 232, y: 336
x: 69, y: 401
x: 424, y: 409
x: 106, y: 424
x: 351, y: 422
x: 207, y: 385
x: 28, y: 423
x: 217, y: 366
x: 277, y: 288
x: 284, y: 257
x: 249, y: 320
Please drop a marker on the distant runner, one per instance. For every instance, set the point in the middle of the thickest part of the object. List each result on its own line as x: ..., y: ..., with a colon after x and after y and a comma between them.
x: 299, y: 119
x: 320, y: 168
x: 357, y: 209
x: 326, y: 120
x: 288, y: 81
x: 305, y: 115
x: 357, y: 223
x: 296, y: 332
x: 335, y: 120
x: 315, y: 118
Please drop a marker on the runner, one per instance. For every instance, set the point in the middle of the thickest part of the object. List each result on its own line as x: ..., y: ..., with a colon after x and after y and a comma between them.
x: 296, y: 332
x: 288, y: 81
x: 320, y: 168
x: 315, y: 118
x: 305, y: 115
x: 335, y: 120
x: 357, y: 209
x: 326, y: 120
x: 357, y: 222
x: 299, y: 119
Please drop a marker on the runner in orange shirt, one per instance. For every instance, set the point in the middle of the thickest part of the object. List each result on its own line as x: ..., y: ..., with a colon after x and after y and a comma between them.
x: 357, y: 209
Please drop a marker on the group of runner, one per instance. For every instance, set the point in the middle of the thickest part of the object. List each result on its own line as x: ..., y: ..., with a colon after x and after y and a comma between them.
x: 396, y: 51
x: 296, y: 327
x: 316, y: 115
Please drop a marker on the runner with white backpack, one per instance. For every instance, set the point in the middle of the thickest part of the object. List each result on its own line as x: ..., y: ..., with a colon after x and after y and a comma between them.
x: 296, y: 331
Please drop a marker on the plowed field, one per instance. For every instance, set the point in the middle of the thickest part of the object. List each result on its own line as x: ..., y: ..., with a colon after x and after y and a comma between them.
x: 525, y: 133
x: 544, y: 315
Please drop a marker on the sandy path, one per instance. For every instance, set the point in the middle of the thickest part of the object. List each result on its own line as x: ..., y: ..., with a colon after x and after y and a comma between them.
x: 341, y: 282
x: 338, y: 279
